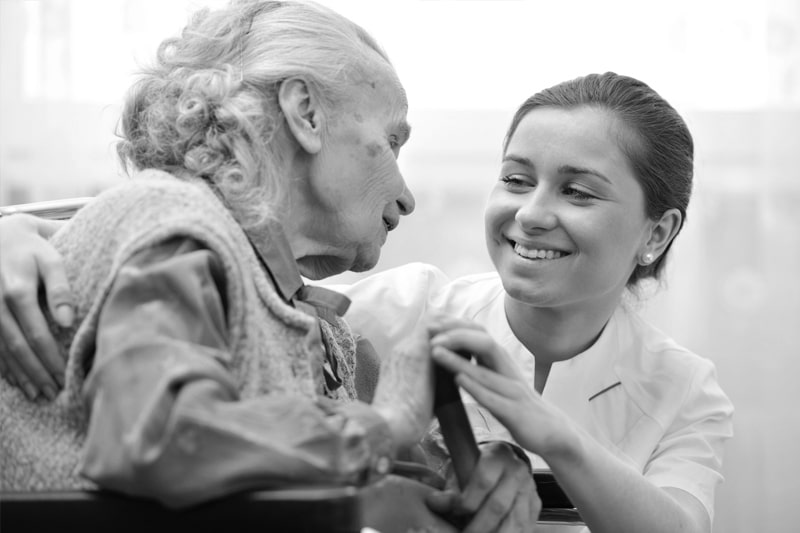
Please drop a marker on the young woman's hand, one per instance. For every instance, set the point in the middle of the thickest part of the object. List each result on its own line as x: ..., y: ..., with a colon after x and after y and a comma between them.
x: 496, y: 384
x: 29, y: 355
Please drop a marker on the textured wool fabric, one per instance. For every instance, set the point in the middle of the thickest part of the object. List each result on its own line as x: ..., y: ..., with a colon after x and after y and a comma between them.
x: 273, y: 345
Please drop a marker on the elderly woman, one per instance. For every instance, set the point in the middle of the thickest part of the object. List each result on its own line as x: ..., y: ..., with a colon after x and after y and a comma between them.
x: 197, y: 365
x: 264, y: 142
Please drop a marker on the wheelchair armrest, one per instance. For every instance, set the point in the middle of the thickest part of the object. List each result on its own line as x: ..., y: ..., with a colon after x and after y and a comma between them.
x: 336, y: 509
x: 50, y: 209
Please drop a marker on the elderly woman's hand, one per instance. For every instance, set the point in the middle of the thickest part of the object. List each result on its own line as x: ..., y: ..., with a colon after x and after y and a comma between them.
x: 404, y: 394
x: 29, y: 356
x: 501, y: 495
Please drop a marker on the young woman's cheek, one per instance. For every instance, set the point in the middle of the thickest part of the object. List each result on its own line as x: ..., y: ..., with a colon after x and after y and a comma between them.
x: 499, y: 209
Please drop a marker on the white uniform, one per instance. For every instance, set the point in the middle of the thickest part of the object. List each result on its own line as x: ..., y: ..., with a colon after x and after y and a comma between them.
x: 654, y: 404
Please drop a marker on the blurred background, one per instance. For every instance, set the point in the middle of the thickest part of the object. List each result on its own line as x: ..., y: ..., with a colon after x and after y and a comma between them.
x: 731, y: 67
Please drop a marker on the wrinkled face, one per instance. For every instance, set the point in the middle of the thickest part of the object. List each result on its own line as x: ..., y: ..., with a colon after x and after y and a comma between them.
x: 566, y: 220
x: 357, y: 186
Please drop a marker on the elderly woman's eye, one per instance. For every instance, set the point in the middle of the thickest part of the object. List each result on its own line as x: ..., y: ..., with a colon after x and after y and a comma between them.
x: 394, y: 142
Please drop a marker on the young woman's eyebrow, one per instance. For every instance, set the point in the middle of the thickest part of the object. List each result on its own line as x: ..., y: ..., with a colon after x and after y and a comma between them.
x: 573, y: 170
x: 518, y: 159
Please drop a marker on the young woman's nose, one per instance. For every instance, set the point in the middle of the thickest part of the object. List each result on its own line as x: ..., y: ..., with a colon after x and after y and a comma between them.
x: 537, y: 211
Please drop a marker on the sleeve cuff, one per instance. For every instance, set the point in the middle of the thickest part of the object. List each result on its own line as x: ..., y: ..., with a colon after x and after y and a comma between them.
x: 368, y: 440
x: 518, y: 451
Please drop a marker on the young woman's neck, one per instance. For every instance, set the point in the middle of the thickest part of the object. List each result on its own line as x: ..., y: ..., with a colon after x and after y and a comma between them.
x: 556, y: 334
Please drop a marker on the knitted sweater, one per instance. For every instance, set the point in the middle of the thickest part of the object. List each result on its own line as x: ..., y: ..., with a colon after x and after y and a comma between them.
x: 272, y: 344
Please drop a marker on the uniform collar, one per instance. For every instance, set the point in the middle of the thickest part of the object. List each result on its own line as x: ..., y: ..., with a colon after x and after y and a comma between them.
x: 576, y: 382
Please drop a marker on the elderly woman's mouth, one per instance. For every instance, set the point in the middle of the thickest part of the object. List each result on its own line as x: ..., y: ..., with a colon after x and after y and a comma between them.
x: 390, y: 224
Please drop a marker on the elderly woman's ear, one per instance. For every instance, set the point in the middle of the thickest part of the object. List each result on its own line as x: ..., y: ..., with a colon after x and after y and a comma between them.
x: 303, y: 114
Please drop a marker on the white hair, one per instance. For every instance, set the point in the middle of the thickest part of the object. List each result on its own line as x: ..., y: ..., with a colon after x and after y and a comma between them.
x: 208, y: 107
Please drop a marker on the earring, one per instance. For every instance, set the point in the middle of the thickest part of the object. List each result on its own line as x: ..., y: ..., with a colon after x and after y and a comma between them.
x: 647, y: 258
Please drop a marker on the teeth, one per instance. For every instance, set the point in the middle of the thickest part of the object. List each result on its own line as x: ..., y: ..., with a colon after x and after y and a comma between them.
x: 536, y: 254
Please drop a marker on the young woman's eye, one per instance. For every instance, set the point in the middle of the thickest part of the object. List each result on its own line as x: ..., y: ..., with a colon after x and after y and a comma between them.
x: 513, y: 180
x: 578, y: 194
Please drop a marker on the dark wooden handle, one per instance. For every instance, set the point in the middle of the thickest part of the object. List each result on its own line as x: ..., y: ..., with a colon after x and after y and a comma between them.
x: 456, y: 430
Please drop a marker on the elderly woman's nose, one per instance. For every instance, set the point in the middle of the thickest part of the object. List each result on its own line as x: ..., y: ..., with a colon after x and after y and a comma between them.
x: 406, y: 203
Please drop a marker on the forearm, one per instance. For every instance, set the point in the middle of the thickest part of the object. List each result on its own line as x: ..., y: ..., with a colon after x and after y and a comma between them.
x: 613, y: 497
x: 166, y: 418
x: 188, y: 438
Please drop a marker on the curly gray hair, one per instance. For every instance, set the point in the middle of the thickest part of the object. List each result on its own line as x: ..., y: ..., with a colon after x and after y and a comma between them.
x: 208, y: 107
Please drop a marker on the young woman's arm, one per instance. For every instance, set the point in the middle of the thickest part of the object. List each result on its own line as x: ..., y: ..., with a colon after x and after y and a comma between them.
x: 29, y: 356
x: 609, y: 494
x: 386, y: 308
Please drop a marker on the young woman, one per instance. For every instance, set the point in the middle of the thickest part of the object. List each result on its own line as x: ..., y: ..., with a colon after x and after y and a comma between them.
x: 593, y: 188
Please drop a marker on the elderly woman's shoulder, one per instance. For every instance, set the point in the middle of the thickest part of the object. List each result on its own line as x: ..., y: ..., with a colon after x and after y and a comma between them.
x: 156, y: 184
x: 155, y: 193
x: 151, y: 203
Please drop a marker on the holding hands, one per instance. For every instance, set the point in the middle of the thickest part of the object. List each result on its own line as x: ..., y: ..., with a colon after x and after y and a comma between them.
x: 500, y: 494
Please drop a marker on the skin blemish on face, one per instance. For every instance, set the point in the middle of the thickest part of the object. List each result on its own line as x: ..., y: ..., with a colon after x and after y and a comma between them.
x: 373, y: 149
x: 358, y: 118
